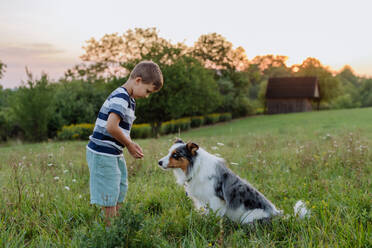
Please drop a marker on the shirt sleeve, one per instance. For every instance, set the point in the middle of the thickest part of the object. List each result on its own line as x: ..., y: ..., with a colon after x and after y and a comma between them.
x: 119, y: 104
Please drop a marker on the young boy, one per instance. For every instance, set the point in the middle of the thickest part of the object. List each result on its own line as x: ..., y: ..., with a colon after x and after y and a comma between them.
x: 108, y: 172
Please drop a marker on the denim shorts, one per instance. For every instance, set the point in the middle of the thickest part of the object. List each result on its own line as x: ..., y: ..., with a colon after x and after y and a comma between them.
x: 108, y: 179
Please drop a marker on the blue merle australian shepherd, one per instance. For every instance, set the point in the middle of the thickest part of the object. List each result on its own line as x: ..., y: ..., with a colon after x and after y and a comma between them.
x: 210, y: 184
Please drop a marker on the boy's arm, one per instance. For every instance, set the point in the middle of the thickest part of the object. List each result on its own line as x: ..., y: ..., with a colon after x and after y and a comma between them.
x: 113, y: 128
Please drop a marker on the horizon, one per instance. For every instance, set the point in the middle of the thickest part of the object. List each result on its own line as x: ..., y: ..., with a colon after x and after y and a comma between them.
x: 41, y: 36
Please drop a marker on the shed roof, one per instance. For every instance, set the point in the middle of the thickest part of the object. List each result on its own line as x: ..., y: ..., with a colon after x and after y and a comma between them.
x: 292, y: 87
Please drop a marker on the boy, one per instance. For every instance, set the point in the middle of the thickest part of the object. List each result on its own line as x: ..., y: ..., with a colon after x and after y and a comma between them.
x: 108, y: 172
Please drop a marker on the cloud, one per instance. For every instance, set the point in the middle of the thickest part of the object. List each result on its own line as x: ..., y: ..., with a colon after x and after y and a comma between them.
x: 38, y: 57
x: 34, y: 50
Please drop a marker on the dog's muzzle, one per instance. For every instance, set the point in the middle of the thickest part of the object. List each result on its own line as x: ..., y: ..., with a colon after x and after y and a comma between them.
x: 162, y: 164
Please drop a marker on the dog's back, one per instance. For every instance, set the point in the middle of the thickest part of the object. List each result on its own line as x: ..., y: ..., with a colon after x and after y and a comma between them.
x: 243, y: 201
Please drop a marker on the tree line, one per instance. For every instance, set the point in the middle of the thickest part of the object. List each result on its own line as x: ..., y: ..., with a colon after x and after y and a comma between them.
x: 210, y: 76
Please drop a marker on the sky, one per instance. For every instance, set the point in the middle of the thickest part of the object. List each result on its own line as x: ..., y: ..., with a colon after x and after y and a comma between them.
x: 48, y: 35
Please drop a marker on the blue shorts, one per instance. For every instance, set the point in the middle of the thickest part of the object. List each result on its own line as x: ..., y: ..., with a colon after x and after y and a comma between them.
x: 108, y: 179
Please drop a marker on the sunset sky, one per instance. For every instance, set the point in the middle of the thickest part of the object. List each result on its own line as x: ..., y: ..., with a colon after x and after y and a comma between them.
x: 48, y: 35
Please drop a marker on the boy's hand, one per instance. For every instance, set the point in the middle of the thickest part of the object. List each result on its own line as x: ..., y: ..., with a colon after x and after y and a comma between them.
x: 135, y: 150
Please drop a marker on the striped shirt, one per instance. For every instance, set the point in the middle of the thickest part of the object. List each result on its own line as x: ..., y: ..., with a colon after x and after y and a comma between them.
x: 120, y: 103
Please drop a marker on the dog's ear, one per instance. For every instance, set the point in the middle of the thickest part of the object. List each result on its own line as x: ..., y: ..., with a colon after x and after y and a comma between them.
x: 192, y: 148
x: 178, y: 140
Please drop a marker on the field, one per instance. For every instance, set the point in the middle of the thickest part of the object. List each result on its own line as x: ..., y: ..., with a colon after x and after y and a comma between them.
x: 323, y: 158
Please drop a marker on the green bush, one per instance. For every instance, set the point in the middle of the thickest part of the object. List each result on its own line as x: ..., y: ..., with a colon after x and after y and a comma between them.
x: 76, y: 132
x: 211, y: 118
x: 32, y: 107
x: 196, y: 121
x: 225, y: 117
x: 174, y: 126
x: 140, y: 131
x: 4, y: 125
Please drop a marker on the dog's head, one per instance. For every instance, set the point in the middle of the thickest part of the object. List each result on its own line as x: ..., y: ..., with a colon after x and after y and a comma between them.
x: 181, y: 155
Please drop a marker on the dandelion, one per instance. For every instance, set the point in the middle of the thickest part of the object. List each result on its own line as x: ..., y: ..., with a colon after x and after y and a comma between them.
x: 220, y: 144
x: 67, y: 188
x: 56, y: 178
x: 210, y: 245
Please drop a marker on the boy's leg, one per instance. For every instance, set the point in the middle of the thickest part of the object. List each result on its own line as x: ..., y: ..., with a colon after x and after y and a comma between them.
x: 123, y: 182
x: 105, y: 177
x: 117, y: 209
x: 110, y: 212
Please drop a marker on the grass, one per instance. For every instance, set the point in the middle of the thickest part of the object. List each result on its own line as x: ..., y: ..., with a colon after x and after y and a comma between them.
x: 323, y: 158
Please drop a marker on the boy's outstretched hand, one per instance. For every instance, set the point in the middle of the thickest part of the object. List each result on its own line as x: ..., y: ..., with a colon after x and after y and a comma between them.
x: 135, y: 150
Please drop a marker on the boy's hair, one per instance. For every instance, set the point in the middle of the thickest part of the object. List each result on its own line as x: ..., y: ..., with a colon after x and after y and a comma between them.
x: 149, y: 72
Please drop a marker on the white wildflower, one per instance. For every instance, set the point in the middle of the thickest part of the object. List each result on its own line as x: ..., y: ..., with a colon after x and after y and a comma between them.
x: 65, y: 171
x: 66, y: 187
x: 74, y: 180
x: 300, y: 210
x: 50, y: 164
x: 217, y: 154
x: 220, y: 144
x: 214, y: 147
x: 80, y: 196
x: 56, y: 178
x: 233, y: 163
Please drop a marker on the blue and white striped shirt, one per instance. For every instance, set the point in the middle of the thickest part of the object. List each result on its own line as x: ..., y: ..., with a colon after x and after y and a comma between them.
x: 120, y: 103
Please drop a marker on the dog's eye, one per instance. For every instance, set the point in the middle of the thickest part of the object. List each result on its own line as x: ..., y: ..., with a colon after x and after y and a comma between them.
x: 175, y: 156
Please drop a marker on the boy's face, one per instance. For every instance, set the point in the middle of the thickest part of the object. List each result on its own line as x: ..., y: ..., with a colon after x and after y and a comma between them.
x: 142, y: 90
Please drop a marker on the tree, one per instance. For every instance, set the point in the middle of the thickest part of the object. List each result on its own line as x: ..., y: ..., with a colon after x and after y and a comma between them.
x: 215, y: 52
x: 109, y: 57
x: 32, y: 108
x: 272, y: 65
x: 366, y: 93
x: 189, y: 89
x: 329, y: 86
x: 2, y: 69
x: 75, y: 102
x: 349, y: 89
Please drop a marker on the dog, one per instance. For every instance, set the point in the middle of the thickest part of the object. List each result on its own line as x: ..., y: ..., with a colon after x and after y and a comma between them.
x: 211, y: 185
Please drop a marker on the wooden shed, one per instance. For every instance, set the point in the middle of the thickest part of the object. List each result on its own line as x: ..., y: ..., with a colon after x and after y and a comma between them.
x: 291, y: 94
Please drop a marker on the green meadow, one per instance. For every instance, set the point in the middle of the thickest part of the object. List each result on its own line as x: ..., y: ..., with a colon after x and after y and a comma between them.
x: 323, y: 158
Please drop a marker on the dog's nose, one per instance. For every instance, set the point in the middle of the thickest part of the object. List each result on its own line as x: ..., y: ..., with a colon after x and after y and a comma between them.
x: 160, y: 162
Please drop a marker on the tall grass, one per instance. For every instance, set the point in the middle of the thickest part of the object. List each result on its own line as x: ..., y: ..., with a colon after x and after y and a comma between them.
x: 322, y: 158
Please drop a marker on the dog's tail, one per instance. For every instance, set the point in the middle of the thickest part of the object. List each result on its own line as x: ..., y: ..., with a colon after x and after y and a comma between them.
x: 301, y: 210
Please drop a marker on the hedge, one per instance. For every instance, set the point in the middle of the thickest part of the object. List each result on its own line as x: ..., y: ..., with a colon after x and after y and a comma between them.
x: 142, y: 131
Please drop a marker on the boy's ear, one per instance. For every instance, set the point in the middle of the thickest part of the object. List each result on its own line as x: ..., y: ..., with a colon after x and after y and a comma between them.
x: 138, y: 79
x: 192, y: 148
